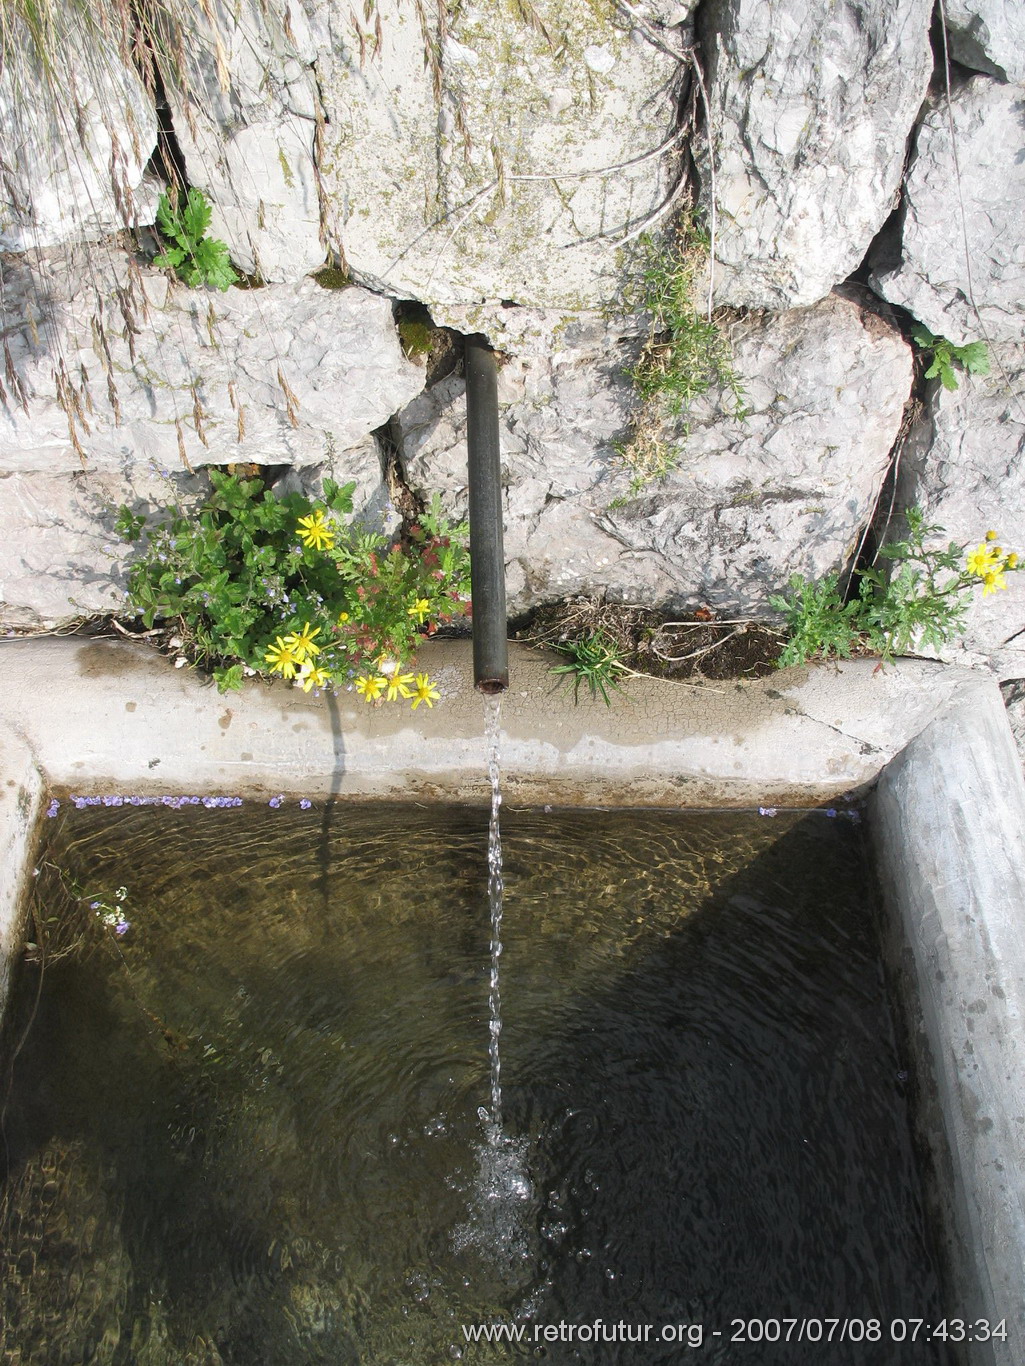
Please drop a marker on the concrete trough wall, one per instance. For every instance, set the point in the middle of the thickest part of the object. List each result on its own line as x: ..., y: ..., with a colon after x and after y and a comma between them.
x: 948, y: 811
x: 948, y: 818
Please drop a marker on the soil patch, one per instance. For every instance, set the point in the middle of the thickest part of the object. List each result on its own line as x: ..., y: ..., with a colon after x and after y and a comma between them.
x: 665, y: 645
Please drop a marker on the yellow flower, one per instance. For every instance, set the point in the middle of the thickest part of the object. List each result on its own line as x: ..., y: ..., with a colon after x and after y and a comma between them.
x: 983, y: 560
x: 420, y: 609
x: 301, y: 643
x: 991, y: 535
x: 398, y: 686
x: 1012, y: 560
x: 425, y: 692
x: 313, y: 676
x: 371, y: 686
x: 315, y: 532
x: 992, y: 581
x: 282, y: 658
x: 343, y: 617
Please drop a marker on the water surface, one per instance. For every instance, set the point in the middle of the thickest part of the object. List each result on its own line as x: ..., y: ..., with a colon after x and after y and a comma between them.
x: 247, y: 1130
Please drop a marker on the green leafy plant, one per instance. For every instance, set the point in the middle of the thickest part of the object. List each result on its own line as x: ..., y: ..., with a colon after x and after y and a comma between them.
x: 257, y: 583
x: 818, y: 621
x: 195, y: 258
x: 595, y: 660
x: 973, y: 357
x: 919, y: 597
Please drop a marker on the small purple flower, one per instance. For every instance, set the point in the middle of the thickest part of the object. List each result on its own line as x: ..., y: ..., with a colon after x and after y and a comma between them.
x: 305, y: 804
x: 94, y: 905
x: 275, y: 802
x: 80, y: 803
x: 53, y: 808
x: 830, y: 811
x: 768, y: 810
x: 121, y: 928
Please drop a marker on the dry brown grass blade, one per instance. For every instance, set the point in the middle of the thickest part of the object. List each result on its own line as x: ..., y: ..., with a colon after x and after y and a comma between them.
x: 13, y: 378
x: 529, y: 16
x: 182, y: 455
x: 198, y: 414
x: 85, y: 393
x: 291, y: 400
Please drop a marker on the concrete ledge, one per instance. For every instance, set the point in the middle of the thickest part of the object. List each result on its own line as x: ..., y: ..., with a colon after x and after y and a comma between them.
x: 21, y: 795
x: 114, y: 716
x: 948, y: 817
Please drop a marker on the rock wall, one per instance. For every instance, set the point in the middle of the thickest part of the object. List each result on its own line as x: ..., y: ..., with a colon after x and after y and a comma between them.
x: 499, y: 166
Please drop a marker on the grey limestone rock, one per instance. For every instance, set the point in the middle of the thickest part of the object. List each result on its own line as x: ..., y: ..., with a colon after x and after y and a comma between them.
x: 287, y: 374
x: 747, y: 503
x: 1014, y: 700
x: 75, y: 135
x: 477, y: 163
x: 812, y: 104
x: 988, y: 35
x: 965, y: 467
x: 247, y: 133
x: 935, y: 280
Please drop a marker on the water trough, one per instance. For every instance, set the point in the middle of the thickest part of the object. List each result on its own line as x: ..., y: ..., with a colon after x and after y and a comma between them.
x: 929, y: 746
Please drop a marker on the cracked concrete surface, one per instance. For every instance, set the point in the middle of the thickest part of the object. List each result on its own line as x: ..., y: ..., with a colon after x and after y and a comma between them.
x: 113, y: 716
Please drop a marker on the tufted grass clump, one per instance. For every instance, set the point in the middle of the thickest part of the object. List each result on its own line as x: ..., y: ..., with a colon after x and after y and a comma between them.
x: 595, y: 660
x: 686, y: 351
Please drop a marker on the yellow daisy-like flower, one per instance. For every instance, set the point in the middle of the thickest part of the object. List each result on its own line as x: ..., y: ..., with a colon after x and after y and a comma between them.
x: 992, y: 581
x: 983, y: 560
x: 343, y: 617
x: 371, y: 686
x: 420, y: 609
x: 991, y: 535
x: 282, y: 658
x: 1012, y: 560
x: 398, y: 686
x: 313, y: 676
x: 301, y: 643
x: 315, y: 532
x: 425, y: 692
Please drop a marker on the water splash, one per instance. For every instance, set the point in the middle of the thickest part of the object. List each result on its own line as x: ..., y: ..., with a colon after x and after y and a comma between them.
x: 502, y: 1194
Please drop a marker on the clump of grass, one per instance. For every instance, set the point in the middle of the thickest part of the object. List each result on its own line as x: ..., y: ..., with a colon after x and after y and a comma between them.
x: 596, y: 660
x: 686, y: 351
x: 647, y: 455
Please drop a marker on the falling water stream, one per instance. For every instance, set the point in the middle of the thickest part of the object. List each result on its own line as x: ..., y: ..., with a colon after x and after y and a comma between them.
x: 492, y: 731
x: 502, y: 1196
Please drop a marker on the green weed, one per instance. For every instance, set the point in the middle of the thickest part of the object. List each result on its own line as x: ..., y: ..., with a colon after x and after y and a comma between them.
x: 195, y: 258
x: 257, y: 583
x: 973, y: 357
x: 919, y: 599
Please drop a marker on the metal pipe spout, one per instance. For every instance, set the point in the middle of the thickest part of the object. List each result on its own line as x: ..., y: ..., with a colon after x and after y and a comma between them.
x: 487, y: 557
